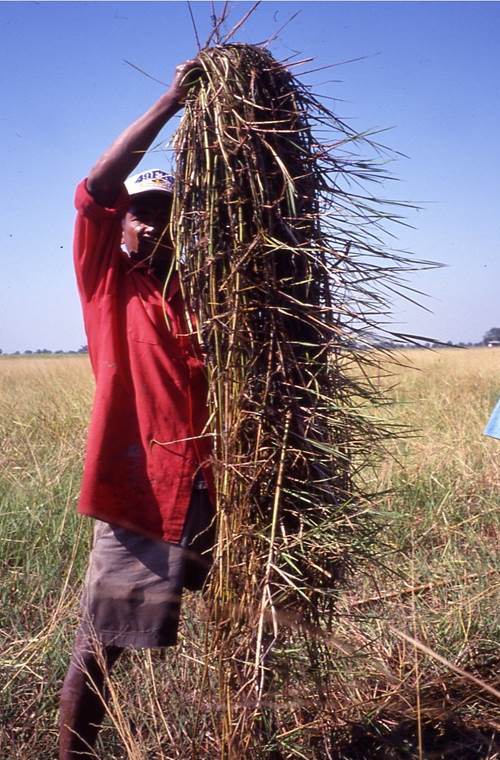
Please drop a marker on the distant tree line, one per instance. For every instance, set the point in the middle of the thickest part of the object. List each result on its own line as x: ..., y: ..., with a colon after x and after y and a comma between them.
x: 490, y: 338
x: 29, y: 352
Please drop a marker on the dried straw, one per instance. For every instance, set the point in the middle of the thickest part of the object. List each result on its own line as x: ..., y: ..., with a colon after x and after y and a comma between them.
x: 278, y: 247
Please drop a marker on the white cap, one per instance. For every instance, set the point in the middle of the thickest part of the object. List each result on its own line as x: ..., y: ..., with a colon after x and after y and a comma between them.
x: 151, y: 179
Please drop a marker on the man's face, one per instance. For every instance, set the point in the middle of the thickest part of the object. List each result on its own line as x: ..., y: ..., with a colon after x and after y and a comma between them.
x: 146, y: 229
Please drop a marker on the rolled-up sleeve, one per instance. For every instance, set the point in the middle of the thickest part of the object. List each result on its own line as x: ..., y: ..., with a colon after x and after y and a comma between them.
x: 97, y: 241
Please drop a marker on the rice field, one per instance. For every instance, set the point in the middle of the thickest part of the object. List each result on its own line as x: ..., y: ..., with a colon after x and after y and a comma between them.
x: 416, y: 636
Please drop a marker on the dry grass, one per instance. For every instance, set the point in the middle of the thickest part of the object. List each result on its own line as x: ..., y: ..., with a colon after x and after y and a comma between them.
x: 43, y: 413
x: 437, y: 583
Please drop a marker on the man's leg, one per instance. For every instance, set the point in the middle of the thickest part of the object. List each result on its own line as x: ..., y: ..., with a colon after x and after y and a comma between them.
x: 83, y: 697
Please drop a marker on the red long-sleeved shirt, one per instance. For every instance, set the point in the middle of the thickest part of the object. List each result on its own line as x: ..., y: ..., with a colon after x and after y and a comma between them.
x: 145, y: 442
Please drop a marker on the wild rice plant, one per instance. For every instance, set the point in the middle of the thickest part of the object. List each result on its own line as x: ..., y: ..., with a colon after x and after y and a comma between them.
x: 278, y: 244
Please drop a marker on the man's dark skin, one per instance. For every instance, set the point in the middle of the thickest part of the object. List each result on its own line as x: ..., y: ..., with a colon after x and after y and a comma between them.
x: 146, y: 233
x: 147, y: 239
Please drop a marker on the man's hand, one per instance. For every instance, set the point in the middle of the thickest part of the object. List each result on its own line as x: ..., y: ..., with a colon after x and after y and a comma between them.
x: 185, y: 74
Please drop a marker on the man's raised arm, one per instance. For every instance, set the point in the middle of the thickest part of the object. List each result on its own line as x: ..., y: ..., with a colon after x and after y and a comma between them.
x: 106, y: 178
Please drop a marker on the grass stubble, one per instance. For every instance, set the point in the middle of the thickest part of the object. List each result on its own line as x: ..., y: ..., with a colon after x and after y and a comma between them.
x: 437, y: 581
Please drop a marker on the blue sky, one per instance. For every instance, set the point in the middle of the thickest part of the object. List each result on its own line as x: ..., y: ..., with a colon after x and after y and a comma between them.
x: 431, y: 73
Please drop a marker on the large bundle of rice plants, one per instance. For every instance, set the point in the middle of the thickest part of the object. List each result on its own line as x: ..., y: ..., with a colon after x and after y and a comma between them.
x: 277, y: 244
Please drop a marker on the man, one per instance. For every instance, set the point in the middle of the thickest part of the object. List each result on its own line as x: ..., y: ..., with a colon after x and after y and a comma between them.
x: 146, y: 477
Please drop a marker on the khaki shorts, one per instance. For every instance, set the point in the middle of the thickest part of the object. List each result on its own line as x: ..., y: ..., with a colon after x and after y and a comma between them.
x: 134, y: 584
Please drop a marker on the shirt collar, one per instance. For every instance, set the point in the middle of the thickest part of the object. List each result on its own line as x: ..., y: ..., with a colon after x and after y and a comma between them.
x: 173, y: 286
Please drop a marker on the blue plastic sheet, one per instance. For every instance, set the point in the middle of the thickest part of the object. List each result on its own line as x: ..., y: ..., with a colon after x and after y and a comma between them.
x: 493, y: 426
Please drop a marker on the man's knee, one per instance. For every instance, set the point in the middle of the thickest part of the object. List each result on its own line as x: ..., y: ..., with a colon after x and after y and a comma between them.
x: 90, y: 662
